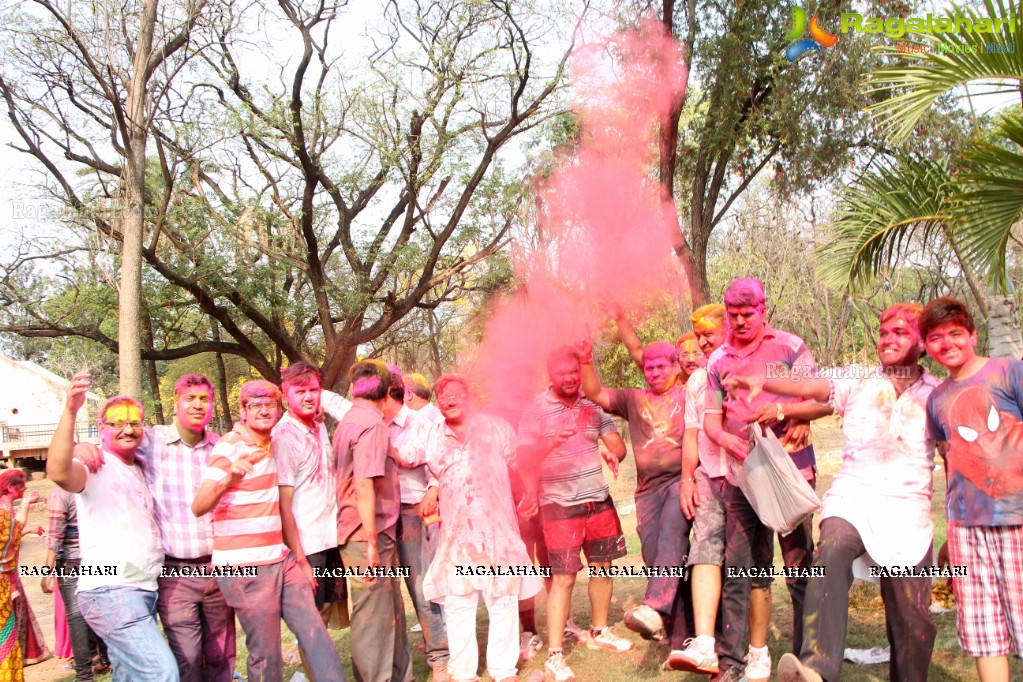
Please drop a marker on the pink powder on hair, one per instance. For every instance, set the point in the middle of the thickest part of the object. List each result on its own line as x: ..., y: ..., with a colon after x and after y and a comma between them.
x: 364, y: 385
x: 605, y: 224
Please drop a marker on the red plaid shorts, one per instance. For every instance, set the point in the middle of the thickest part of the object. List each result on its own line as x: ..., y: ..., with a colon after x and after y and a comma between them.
x: 989, y: 598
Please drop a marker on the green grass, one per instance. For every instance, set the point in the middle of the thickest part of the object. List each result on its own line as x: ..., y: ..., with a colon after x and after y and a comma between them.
x: 866, y: 613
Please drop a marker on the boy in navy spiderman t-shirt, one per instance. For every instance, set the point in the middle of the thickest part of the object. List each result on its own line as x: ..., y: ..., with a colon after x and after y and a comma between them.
x: 976, y: 418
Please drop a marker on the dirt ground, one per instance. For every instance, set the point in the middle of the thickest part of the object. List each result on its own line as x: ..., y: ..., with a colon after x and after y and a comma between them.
x: 33, y: 553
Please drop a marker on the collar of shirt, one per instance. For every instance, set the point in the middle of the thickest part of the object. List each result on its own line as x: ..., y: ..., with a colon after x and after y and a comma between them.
x: 289, y: 421
x: 727, y: 347
x: 172, y: 435
x: 552, y: 398
x: 250, y: 438
x: 402, y: 418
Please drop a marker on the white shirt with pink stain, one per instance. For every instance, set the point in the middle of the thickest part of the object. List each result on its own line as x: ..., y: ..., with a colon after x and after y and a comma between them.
x: 478, y: 525
x: 884, y: 486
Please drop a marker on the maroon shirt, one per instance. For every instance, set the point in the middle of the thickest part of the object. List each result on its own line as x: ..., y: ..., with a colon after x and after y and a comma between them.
x: 362, y: 448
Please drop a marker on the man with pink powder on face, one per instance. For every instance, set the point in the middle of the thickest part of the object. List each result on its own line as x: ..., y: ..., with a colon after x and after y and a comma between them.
x: 656, y: 427
x: 117, y: 530
x: 197, y: 621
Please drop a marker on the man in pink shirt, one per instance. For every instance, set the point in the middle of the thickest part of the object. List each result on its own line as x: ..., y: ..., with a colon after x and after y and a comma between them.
x: 753, y: 347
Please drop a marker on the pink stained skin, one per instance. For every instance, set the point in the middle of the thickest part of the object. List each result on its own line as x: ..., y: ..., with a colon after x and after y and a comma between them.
x: 121, y: 442
x: 744, y: 323
x: 454, y: 403
x: 660, y: 373
x: 194, y: 408
x: 607, y: 226
x: 691, y: 357
x: 303, y: 400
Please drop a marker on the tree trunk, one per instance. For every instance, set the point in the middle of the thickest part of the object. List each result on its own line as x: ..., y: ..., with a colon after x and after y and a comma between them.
x: 1003, y: 330
x: 133, y: 210
x: 154, y: 379
x: 225, y: 402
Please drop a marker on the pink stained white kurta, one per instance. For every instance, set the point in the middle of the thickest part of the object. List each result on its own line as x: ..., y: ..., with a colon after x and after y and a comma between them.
x: 479, y: 529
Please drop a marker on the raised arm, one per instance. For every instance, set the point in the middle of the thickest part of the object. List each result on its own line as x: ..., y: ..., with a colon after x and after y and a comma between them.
x: 627, y: 334
x: 60, y: 468
x: 588, y: 376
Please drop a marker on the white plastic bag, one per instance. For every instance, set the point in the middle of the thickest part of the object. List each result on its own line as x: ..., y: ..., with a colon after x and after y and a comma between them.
x: 769, y: 479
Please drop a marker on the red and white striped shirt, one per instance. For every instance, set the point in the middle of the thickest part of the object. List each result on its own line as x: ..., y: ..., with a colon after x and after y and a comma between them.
x: 247, y: 520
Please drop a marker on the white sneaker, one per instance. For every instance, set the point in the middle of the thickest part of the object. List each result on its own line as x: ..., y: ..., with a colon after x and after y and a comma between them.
x: 529, y: 644
x: 758, y: 665
x: 574, y: 632
x: 557, y: 669
x: 697, y: 657
x: 608, y: 639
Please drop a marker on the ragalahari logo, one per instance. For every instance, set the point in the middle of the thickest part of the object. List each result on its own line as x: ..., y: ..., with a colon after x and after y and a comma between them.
x: 799, y: 46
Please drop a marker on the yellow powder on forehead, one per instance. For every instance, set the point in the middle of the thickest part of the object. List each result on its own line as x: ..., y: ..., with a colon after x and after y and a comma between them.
x: 708, y: 323
x: 125, y: 412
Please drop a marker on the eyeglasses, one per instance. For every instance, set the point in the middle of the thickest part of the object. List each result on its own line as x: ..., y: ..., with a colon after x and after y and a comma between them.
x: 120, y: 424
x: 260, y: 406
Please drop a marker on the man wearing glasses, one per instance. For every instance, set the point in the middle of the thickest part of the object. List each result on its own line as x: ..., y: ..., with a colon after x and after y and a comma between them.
x: 197, y: 621
x: 120, y: 543
x: 240, y: 488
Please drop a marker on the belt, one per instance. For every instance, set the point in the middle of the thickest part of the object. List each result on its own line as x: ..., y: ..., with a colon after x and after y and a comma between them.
x: 198, y: 560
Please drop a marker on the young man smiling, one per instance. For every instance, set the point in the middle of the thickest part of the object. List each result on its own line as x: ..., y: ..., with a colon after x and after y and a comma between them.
x: 878, y: 508
x: 558, y: 439
x: 976, y: 417
x: 240, y: 487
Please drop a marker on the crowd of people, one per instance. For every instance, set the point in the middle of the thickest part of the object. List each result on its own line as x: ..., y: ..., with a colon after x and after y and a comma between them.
x: 278, y: 520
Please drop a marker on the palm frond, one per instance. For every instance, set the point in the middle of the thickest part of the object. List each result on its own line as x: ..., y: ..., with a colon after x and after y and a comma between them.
x: 954, y: 59
x: 879, y: 215
x: 989, y: 202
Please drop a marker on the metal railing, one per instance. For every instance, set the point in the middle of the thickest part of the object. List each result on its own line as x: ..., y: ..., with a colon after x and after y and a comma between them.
x: 34, y: 433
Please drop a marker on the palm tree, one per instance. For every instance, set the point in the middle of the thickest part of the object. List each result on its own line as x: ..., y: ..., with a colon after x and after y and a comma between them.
x: 973, y: 207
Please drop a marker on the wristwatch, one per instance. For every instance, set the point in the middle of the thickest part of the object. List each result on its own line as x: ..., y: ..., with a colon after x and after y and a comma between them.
x: 780, y: 414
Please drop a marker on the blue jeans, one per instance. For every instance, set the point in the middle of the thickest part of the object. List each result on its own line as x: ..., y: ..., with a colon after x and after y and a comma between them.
x: 125, y: 618
x: 416, y: 552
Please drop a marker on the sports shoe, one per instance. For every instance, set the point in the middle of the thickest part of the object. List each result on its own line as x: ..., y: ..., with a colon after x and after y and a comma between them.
x: 646, y: 622
x: 758, y: 665
x: 791, y: 669
x: 556, y: 669
x: 574, y: 632
x: 728, y: 675
x: 529, y: 644
x: 608, y: 639
x: 697, y: 657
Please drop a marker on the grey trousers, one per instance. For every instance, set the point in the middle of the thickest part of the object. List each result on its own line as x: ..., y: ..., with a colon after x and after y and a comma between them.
x: 826, y: 616
x: 380, y: 651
